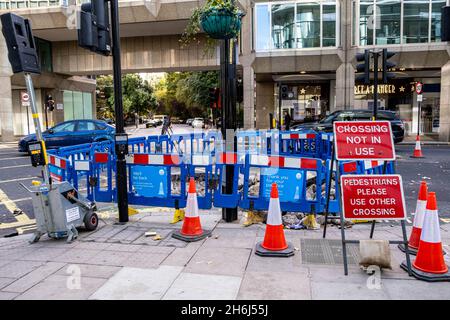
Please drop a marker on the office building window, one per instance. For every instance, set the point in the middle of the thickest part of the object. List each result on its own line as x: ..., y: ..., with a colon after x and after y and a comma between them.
x: 77, y: 105
x: 283, y: 26
x: 388, y: 22
x: 296, y: 25
x: 396, y: 22
x: 415, y: 20
x: 44, y: 50
x: 263, y: 27
x: 436, y: 6
x: 308, y: 25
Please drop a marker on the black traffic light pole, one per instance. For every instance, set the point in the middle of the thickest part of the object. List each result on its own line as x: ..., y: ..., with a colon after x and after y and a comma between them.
x: 375, y: 84
x: 121, y: 173
x: 228, y: 85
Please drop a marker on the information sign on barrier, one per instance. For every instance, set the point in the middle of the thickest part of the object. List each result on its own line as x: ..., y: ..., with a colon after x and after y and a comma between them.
x: 361, y: 140
x: 289, y: 183
x: 149, y: 181
x: 373, y: 197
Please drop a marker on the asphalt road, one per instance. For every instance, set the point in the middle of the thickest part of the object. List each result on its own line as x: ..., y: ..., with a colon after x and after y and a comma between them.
x: 15, y: 168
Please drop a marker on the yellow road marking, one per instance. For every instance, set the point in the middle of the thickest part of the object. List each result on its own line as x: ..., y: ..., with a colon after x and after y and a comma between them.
x: 11, y: 206
x: 21, y: 230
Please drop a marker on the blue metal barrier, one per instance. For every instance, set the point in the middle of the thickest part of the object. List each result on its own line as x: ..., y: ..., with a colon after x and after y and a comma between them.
x: 151, y: 180
x: 305, y: 143
x: 221, y: 199
x: 292, y: 174
x: 199, y: 165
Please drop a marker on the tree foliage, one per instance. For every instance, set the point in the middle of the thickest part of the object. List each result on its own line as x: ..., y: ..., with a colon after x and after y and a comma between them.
x: 137, y: 96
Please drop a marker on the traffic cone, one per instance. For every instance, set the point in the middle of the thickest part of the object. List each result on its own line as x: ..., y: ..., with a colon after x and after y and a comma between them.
x: 274, y: 244
x: 191, y: 229
x: 414, y: 238
x: 417, y: 149
x: 429, y: 264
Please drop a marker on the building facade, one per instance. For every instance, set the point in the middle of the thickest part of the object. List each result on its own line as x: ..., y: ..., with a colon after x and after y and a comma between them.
x: 296, y: 56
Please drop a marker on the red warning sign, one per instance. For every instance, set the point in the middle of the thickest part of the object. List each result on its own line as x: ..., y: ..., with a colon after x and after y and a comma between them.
x: 362, y: 140
x: 373, y: 197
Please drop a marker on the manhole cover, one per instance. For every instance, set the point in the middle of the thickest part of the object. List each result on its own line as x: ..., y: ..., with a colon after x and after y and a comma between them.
x: 323, y: 251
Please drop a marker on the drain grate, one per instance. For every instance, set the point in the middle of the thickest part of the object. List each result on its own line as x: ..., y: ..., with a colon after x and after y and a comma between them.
x: 329, y: 252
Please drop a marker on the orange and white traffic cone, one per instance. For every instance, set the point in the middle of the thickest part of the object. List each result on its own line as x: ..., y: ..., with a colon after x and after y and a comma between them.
x: 192, y: 228
x: 274, y: 244
x: 429, y: 264
x: 417, y: 149
x: 414, y: 238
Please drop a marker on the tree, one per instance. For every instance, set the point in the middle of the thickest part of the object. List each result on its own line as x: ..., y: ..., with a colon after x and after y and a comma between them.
x: 137, y: 96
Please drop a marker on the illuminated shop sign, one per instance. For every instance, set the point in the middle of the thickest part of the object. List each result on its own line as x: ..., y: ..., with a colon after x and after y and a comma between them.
x: 382, y: 89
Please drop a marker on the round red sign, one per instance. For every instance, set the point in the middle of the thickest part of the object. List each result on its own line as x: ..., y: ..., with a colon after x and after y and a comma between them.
x: 419, y: 87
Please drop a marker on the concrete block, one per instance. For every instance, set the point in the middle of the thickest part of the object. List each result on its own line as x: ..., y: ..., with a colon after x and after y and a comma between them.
x: 34, y: 277
x: 190, y: 286
x: 275, y: 285
x: 222, y: 261
x: 58, y: 287
x: 17, y: 269
x: 138, y: 284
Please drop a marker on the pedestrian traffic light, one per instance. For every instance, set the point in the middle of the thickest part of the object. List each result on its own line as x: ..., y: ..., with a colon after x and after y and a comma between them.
x: 49, y: 103
x: 94, y: 27
x: 363, y: 67
x: 212, y: 97
x: 388, y: 65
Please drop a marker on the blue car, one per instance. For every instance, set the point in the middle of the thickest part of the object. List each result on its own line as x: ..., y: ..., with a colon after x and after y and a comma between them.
x: 71, y: 133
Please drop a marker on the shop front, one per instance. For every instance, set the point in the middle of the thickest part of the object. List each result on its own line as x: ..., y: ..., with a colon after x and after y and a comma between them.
x: 400, y: 96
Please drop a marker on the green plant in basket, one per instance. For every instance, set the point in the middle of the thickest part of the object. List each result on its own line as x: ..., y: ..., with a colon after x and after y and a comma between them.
x: 219, y: 19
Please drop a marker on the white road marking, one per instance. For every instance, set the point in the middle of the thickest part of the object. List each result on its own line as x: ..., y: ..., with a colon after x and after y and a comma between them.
x: 19, y: 166
x: 18, y: 179
x: 14, y: 158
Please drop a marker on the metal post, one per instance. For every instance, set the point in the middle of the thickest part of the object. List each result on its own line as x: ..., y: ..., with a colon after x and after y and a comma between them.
x: 228, y: 84
x: 327, y: 206
x: 375, y: 84
x: 279, y: 106
x: 341, y: 213
x: 37, y: 125
x: 121, y: 173
x: 418, y: 117
x: 405, y: 242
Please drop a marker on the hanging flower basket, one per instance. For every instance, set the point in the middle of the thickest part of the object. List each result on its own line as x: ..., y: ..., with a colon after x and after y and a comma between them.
x: 221, y: 23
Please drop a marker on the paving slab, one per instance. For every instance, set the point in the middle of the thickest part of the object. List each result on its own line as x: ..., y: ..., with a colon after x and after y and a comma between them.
x: 138, y: 284
x: 17, y: 269
x: 145, y: 260
x: 90, y: 245
x: 277, y: 264
x: 103, y: 234
x: 8, y: 295
x: 190, y: 286
x: 15, y: 253
x: 90, y: 270
x: 34, y: 277
x: 44, y: 254
x: 110, y: 258
x: 77, y: 256
x: 163, y: 232
x: 156, y: 249
x: 414, y: 289
x: 345, y: 291
x: 274, y: 285
x: 57, y: 287
x: 123, y: 247
x: 221, y: 261
x: 5, y: 281
x: 127, y: 235
x: 180, y: 256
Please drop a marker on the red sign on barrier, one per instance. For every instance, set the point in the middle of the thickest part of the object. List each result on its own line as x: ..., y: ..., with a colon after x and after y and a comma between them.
x: 373, y: 197
x: 362, y: 140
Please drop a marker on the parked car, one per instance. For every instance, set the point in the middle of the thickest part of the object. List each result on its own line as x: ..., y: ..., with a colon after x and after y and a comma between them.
x: 198, y: 123
x: 326, y: 124
x: 72, y: 132
x: 152, y: 123
x: 189, y: 121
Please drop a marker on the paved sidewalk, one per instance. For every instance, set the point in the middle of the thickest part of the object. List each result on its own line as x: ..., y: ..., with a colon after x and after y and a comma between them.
x: 119, y: 262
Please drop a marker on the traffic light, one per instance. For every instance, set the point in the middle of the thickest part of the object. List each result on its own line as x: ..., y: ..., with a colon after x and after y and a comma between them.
x: 94, y: 27
x: 388, y: 65
x: 212, y: 97
x: 49, y: 103
x: 363, y: 67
